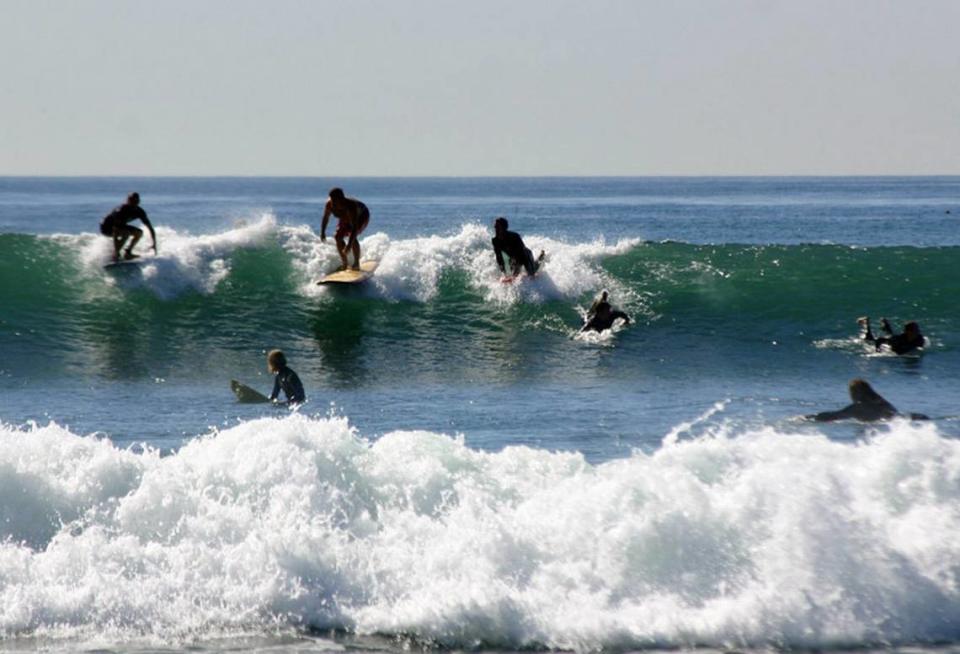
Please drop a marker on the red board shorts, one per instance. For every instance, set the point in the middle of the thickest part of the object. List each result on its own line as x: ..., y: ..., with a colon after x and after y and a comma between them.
x: 344, y: 228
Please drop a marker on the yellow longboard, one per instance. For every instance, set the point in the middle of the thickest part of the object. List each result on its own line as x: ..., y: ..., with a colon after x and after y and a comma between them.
x: 351, y: 276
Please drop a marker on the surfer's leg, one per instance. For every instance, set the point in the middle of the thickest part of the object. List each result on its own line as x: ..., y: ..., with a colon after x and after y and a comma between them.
x: 354, y: 247
x: 120, y: 235
x: 137, y: 234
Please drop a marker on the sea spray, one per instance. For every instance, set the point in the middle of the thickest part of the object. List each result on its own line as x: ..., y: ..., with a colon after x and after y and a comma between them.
x: 759, y: 537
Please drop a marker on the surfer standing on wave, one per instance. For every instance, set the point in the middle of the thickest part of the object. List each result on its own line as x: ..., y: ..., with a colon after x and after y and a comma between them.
x: 353, y: 217
x: 510, y: 243
x: 910, y: 339
x: 602, y: 316
x: 115, y: 225
x: 286, y: 379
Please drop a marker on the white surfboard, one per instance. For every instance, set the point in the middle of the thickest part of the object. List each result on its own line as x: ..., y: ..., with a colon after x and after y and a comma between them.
x: 351, y: 276
x: 124, y: 264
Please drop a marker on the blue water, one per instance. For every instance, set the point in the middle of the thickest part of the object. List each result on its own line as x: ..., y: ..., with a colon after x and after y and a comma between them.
x: 477, y: 411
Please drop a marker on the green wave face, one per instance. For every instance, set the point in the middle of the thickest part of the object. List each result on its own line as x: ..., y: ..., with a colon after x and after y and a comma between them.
x: 199, y: 308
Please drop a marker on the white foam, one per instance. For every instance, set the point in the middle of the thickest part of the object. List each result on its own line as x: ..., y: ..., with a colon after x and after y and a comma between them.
x: 769, y: 537
x: 412, y: 269
x: 184, y: 262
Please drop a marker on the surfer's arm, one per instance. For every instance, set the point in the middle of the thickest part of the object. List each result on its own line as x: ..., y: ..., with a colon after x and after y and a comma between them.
x: 499, y: 255
x: 621, y: 314
x: 324, y: 221
x: 276, y: 389
x: 153, y: 234
x: 829, y: 416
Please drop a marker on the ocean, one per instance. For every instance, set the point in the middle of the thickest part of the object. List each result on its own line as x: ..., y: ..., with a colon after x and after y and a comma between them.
x: 469, y: 472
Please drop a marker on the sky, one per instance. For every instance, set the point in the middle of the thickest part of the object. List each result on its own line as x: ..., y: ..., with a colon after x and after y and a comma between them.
x: 519, y: 87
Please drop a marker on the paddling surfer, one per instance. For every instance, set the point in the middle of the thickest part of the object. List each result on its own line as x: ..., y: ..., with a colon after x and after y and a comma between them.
x: 602, y: 315
x: 911, y: 338
x: 868, y: 406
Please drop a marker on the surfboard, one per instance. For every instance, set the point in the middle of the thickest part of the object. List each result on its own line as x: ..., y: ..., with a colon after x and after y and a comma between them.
x: 351, y: 276
x: 247, y: 395
x: 128, y: 264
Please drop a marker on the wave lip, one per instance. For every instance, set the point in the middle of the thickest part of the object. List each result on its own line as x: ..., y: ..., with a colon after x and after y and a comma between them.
x: 762, y: 538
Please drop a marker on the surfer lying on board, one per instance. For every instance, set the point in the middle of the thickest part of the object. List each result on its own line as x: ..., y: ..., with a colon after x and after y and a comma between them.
x: 867, y: 406
x: 510, y: 243
x: 910, y: 339
x: 353, y: 217
x: 115, y: 225
x: 286, y: 379
x: 602, y: 316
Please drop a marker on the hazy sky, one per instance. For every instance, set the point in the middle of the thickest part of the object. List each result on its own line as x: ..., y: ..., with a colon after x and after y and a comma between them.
x: 515, y: 87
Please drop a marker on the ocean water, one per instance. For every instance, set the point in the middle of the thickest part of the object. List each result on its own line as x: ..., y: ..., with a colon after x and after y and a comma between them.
x: 469, y: 472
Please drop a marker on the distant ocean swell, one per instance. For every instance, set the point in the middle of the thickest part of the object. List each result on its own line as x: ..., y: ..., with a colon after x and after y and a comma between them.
x: 260, y: 275
x: 777, y: 538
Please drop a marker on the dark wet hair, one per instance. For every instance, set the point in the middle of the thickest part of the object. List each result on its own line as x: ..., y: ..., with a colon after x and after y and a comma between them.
x: 133, y: 197
x: 861, y: 391
x: 501, y: 222
x: 336, y: 193
x: 277, y: 359
x: 912, y: 326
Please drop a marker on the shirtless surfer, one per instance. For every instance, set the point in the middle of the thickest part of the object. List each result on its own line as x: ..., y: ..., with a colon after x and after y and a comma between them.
x: 868, y: 406
x: 353, y: 217
x: 910, y: 339
x: 115, y: 225
x: 510, y: 243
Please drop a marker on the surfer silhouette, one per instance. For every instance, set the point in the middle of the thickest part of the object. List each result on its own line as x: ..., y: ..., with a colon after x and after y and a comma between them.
x: 115, y: 225
x: 911, y: 338
x: 510, y: 243
x: 353, y: 217
x: 868, y: 406
x: 602, y: 316
x: 286, y: 379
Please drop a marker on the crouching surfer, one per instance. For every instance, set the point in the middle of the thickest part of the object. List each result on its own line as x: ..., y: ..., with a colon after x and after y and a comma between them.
x: 510, y: 243
x: 286, y: 379
x: 868, y: 406
x: 602, y: 316
x: 115, y: 225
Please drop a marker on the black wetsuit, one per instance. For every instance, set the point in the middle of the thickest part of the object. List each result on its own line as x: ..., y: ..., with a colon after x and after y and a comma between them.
x: 899, y: 343
x: 121, y: 216
x: 603, y: 318
x: 288, y: 381
x: 512, y: 245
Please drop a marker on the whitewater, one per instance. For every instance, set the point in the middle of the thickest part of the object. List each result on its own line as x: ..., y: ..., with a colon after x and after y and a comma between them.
x: 766, y: 538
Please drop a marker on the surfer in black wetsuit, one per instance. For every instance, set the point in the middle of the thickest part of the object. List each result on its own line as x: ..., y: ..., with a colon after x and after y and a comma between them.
x: 868, y: 406
x: 910, y: 339
x: 353, y: 217
x: 510, y: 243
x: 602, y: 316
x: 286, y: 379
x: 115, y: 226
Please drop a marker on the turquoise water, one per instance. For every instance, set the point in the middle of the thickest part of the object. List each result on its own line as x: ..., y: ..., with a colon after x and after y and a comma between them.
x: 469, y: 471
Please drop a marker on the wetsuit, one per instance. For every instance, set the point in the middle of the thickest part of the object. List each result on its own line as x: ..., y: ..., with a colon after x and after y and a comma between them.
x: 288, y: 381
x: 603, y: 318
x: 120, y: 216
x: 899, y: 343
x: 512, y: 245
